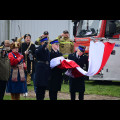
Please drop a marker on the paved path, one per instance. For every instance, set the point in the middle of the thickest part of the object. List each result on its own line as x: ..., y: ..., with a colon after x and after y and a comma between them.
x: 66, y: 96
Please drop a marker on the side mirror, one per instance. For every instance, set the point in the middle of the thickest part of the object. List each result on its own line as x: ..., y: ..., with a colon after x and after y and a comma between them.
x: 75, y: 27
x: 74, y: 30
x: 112, y: 29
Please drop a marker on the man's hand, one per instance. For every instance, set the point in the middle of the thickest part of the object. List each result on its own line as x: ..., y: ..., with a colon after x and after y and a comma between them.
x: 26, y: 52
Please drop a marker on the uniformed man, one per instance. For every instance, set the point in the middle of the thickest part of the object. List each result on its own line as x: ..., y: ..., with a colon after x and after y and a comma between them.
x: 66, y: 48
x: 66, y: 44
x: 4, y: 70
x: 78, y: 84
x: 56, y: 73
x: 42, y: 70
x: 28, y: 50
x: 45, y: 34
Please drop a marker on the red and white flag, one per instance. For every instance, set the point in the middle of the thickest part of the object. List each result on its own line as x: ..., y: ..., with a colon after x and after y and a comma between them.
x: 99, y: 54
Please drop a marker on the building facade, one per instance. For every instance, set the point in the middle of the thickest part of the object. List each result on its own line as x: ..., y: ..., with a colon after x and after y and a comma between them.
x: 10, y: 29
x: 4, y: 30
x: 37, y: 27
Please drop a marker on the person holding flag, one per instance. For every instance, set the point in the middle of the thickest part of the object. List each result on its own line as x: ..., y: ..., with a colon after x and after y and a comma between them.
x: 54, y: 84
x: 78, y: 84
x: 99, y: 53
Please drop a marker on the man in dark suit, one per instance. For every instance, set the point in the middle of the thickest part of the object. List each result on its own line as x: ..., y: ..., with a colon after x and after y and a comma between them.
x: 56, y: 73
x: 78, y: 84
x: 42, y: 70
x: 28, y: 50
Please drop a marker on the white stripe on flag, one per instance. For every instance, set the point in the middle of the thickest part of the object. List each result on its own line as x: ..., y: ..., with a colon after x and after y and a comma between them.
x: 96, y: 52
x: 56, y: 61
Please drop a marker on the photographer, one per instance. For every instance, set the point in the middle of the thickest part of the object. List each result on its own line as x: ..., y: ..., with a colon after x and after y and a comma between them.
x: 6, y: 45
x: 28, y: 50
x: 4, y: 70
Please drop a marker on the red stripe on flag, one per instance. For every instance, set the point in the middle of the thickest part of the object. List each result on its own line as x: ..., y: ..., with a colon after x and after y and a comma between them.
x: 68, y: 64
x: 107, y: 51
x: 76, y: 73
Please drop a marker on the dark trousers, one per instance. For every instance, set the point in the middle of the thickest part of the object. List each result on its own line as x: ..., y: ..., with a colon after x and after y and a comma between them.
x: 40, y: 92
x: 53, y: 95
x: 65, y: 79
x: 2, y: 89
x: 73, y: 95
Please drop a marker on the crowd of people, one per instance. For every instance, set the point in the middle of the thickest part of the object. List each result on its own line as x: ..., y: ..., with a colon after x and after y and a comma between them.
x: 21, y: 62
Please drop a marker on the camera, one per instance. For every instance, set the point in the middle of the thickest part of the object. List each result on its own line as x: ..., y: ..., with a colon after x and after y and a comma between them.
x: 3, y: 52
x: 29, y: 52
x: 30, y: 55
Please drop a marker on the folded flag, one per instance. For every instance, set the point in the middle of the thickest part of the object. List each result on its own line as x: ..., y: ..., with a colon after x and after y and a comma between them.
x: 99, y: 54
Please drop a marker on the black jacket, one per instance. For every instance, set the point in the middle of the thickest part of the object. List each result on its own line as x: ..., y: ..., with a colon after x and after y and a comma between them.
x: 42, y: 70
x: 56, y: 74
x: 22, y: 50
x: 78, y: 84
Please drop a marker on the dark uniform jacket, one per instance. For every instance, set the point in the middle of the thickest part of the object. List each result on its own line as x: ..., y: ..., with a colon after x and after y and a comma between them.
x: 42, y: 70
x: 22, y: 50
x: 56, y: 74
x: 78, y: 84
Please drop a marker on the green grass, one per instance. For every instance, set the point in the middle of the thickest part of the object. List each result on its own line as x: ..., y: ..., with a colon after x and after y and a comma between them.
x: 103, y: 88
x: 65, y: 88
x: 98, y: 88
x: 92, y: 87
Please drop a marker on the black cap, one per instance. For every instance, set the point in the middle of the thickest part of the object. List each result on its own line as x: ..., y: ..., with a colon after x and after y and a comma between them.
x: 46, y: 33
x: 65, y: 32
x: 27, y: 35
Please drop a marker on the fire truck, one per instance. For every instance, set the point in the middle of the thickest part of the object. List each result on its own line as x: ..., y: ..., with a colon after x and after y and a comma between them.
x: 104, y: 30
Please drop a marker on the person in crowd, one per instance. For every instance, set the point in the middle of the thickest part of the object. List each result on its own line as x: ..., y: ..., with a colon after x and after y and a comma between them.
x: 4, y: 70
x: 44, y: 35
x: 27, y: 49
x: 17, y: 82
x: 6, y: 45
x: 66, y: 48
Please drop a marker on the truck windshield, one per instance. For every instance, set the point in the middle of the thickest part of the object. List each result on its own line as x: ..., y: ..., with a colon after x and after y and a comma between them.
x: 88, y: 28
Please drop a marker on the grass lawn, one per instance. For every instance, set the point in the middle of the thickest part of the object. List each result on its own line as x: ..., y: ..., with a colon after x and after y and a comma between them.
x: 103, y: 88
x: 92, y: 87
x: 99, y: 88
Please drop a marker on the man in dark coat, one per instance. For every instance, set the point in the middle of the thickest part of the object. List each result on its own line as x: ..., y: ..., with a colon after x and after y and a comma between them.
x: 78, y: 84
x: 28, y: 51
x: 4, y: 70
x: 42, y: 70
x: 4, y: 66
x: 56, y: 73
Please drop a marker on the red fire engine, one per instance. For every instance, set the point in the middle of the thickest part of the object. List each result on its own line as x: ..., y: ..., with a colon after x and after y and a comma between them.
x: 106, y: 30
x: 84, y: 30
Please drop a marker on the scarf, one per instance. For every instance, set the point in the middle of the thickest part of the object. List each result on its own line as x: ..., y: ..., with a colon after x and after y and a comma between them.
x: 19, y: 67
